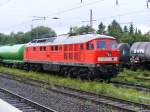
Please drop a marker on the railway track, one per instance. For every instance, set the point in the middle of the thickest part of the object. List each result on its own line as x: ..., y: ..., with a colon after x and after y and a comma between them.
x: 22, y: 103
x: 143, y: 78
x: 119, y: 104
x: 129, y: 85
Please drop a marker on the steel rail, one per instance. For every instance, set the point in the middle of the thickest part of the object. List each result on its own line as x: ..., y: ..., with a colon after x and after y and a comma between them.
x: 130, y: 85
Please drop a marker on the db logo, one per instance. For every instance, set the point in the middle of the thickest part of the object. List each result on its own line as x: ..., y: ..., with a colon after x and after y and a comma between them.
x: 108, y: 53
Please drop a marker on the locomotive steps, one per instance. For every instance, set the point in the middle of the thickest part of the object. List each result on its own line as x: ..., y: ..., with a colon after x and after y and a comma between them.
x: 84, y: 86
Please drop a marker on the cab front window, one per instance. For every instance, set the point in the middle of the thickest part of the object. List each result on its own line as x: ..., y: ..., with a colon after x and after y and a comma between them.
x: 113, y: 45
x: 101, y: 44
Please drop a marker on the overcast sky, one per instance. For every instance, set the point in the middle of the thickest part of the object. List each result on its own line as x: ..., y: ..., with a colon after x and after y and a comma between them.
x: 17, y: 15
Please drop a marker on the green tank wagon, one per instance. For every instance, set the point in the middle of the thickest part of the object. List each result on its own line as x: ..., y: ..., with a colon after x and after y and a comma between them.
x: 12, y: 53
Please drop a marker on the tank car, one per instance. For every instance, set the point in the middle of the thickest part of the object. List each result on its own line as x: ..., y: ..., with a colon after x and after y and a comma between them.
x: 124, y: 54
x: 12, y: 53
x: 140, y: 54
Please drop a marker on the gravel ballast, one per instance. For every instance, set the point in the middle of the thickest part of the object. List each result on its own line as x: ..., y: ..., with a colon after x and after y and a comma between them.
x: 56, y: 101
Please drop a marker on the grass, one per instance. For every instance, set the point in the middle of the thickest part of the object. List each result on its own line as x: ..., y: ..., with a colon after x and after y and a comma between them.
x: 131, y: 77
x: 96, y: 87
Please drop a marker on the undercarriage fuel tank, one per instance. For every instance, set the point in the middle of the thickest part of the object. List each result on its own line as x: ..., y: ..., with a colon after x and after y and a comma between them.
x: 141, y: 49
x: 12, y: 52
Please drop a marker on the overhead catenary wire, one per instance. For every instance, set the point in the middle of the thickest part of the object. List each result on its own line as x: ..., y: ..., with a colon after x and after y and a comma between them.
x: 121, y: 15
x: 4, y: 3
x: 99, y: 19
x: 91, y: 3
x: 19, y: 24
x: 74, y: 8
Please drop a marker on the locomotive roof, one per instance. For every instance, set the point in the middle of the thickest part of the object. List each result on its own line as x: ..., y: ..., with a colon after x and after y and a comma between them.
x: 65, y: 39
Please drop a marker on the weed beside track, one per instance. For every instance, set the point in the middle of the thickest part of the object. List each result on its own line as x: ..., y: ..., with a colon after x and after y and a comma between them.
x: 139, y: 77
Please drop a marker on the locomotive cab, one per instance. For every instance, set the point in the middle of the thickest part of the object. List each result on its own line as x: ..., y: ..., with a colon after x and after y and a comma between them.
x: 106, y: 56
x: 106, y: 51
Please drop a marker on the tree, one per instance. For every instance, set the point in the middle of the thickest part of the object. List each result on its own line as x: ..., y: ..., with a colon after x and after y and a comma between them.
x: 42, y: 32
x: 114, y: 29
x: 73, y: 30
x: 125, y: 29
x: 131, y: 29
x: 101, y: 28
x: 139, y: 32
x: 81, y: 30
x: 21, y: 38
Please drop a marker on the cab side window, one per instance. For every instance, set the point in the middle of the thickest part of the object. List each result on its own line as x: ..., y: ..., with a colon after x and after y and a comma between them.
x: 90, y: 46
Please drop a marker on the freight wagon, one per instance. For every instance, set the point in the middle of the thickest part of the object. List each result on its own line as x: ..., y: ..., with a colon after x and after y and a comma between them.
x: 12, y: 54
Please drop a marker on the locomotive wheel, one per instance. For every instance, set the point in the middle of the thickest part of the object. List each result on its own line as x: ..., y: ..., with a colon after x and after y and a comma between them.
x: 90, y: 75
x: 85, y: 73
x: 64, y: 71
x: 72, y: 72
x: 61, y: 72
x: 68, y: 72
x: 10, y: 65
x: 39, y: 68
x: 26, y: 66
x: 75, y: 72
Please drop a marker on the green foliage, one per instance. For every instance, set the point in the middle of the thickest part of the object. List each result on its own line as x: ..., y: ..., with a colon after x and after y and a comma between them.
x: 125, y: 29
x: 127, y: 34
x: 101, y: 28
x: 114, y: 29
x: 131, y: 29
x: 42, y: 32
x: 131, y: 77
x: 81, y: 30
x: 21, y: 37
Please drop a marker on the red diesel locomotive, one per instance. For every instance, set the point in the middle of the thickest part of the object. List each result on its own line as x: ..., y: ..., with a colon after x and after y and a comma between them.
x: 89, y: 55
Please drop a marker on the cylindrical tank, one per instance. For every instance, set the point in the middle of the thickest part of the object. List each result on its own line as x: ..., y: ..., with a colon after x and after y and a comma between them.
x: 141, y: 49
x: 124, y: 52
x: 14, y: 52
